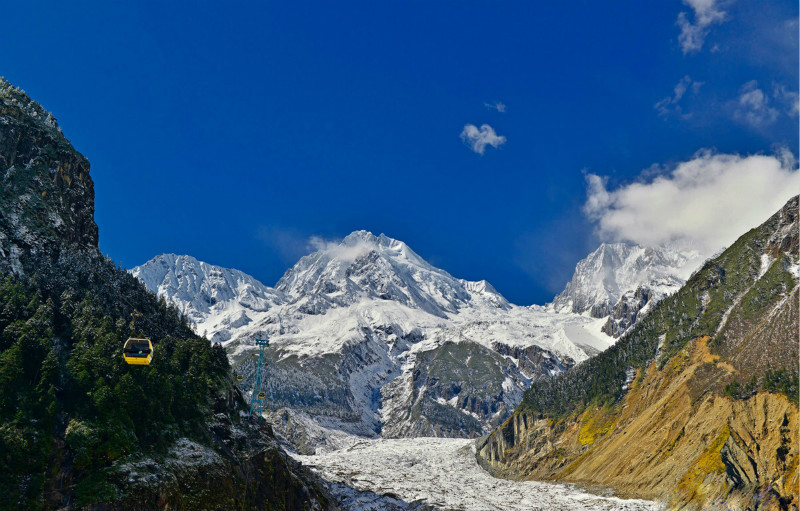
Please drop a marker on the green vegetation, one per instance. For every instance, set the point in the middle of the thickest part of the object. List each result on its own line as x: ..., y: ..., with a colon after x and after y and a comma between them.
x: 74, y: 417
x: 696, y: 310
x: 777, y: 381
x: 782, y: 382
x: 63, y: 382
x: 597, y: 422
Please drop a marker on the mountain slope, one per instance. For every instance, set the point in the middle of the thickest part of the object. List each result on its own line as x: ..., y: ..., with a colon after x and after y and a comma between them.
x: 706, y: 384
x: 354, y: 328
x: 79, y: 428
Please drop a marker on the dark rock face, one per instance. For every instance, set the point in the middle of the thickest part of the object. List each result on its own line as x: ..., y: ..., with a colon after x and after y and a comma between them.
x: 47, y: 196
x: 534, y: 362
x: 248, y: 471
x: 464, y: 389
x: 624, y: 314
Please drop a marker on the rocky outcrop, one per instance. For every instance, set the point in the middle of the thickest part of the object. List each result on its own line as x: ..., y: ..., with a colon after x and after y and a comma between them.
x: 47, y: 196
x: 248, y: 470
x: 627, y: 310
x: 533, y: 361
x: 455, y: 390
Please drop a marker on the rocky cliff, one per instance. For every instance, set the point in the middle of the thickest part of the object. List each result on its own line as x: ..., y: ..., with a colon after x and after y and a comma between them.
x: 696, y: 406
x: 47, y: 196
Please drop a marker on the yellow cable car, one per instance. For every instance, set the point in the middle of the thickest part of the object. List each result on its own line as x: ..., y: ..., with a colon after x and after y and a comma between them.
x: 239, y: 377
x: 262, y: 395
x: 138, y: 351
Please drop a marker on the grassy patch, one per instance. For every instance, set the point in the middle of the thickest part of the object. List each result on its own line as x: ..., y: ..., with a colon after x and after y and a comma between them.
x: 597, y: 422
x: 694, y: 486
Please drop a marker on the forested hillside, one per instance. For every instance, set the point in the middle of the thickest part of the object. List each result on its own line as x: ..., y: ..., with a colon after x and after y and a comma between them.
x: 78, y: 426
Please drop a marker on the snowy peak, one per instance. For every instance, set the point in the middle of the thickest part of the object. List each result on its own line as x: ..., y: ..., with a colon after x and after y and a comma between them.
x: 614, y: 269
x: 485, y: 290
x: 362, y: 267
x: 365, y: 266
x: 200, y: 290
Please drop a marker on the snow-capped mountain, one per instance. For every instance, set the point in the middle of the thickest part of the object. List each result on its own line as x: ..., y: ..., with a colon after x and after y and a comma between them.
x: 622, y: 281
x: 378, y: 267
x: 368, y: 338
x: 215, y: 300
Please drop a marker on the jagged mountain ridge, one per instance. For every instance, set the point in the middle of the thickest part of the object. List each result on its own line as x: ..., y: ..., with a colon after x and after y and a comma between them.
x: 365, y: 265
x: 363, y: 316
x: 622, y: 281
x: 212, y: 298
x: 602, y: 278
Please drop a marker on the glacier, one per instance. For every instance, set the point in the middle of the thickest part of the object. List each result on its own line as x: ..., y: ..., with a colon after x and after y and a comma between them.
x: 442, y: 473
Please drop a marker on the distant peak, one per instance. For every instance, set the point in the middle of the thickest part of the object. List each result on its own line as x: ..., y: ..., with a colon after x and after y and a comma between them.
x: 358, y: 237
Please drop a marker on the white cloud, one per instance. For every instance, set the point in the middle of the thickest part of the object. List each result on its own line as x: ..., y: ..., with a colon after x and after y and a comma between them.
x: 706, y: 14
x: 671, y: 104
x: 702, y: 204
x: 753, y: 106
x: 336, y: 249
x: 478, y: 139
x: 289, y: 244
x: 500, y: 107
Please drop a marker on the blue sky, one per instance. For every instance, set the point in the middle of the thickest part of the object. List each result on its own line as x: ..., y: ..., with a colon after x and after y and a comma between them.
x: 235, y: 133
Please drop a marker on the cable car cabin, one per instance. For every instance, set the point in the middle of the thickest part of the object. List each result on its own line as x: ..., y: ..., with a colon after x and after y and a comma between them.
x: 138, y: 351
x: 262, y: 395
x: 239, y: 377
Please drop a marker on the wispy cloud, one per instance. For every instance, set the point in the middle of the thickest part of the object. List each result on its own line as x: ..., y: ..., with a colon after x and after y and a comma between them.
x: 704, y: 203
x: 753, y: 106
x: 500, y: 107
x: 705, y: 14
x: 789, y: 99
x: 289, y: 244
x: 671, y: 104
x: 478, y: 139
x: 348, y: 251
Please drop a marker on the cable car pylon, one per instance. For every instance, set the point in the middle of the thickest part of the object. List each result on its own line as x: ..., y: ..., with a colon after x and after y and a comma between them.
x: 258, y: 397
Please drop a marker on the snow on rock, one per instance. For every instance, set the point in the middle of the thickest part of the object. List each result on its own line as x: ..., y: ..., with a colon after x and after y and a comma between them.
x: 215, y: 300
x: 353, y: 328
x: 604, y: 276
x: 766, y: 262
x: 436, y: 473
